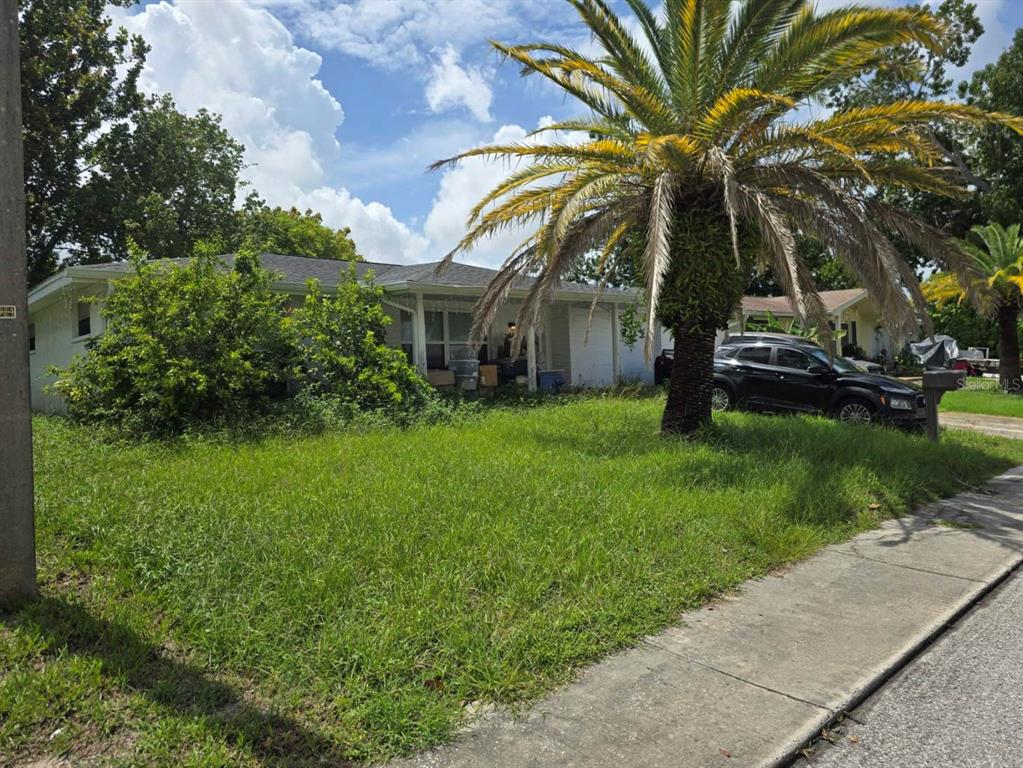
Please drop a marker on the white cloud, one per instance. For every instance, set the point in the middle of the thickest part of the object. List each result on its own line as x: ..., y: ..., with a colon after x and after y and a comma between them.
x: 406, y: 36
x: 399, y: 34
x: 238, y: 60
x: 378, y: 235
x: 464, y: 185
x: 451, y: 85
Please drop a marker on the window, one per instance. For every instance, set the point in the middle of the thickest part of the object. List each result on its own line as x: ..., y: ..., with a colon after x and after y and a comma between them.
x: 792, y: 358
x: 83, y: 326
x: 459, y: 329
x: 407, y: 331
x: 435, y: 339
x: 756, y: 355
x: 31, y: 337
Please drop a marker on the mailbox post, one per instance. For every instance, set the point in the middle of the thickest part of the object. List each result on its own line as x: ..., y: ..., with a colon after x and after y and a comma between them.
x: 936, y: 383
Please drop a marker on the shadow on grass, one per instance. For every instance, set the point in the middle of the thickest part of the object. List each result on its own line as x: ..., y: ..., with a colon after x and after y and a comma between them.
x: 819, y: 467
x: 274, y: 740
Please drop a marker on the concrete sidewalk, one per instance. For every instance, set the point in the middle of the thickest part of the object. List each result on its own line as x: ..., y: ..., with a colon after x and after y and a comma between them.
x: 749, y: 680
x: 959, y: 703
x: 1001, y: 426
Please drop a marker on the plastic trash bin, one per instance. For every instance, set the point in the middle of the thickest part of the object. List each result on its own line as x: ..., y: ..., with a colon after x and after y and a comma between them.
x: 551, y: 381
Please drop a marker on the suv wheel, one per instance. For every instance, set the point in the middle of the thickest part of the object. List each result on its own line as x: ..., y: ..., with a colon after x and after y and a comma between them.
x: 720, y: 398
x: 855, y: 412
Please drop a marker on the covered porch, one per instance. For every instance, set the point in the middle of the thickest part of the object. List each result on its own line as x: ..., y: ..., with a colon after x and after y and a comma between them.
x: 566, y: 348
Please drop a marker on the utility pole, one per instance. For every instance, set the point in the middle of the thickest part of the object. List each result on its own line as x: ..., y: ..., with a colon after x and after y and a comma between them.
x: 17, y: 524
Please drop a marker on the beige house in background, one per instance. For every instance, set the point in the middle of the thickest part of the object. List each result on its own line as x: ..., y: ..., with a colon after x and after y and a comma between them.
x: 851, y: 310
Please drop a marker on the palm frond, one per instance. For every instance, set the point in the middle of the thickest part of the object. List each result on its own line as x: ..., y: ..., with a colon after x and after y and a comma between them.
x: 657, y: 253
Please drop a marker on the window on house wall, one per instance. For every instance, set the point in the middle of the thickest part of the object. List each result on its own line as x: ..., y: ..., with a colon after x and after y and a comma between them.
x: 459, y: 328
x: 31, y: 337
x: 83, y: 325
x: 435, y: 357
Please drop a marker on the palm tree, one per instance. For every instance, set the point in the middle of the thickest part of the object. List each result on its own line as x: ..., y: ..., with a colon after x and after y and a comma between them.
x: 698, y: 137
x: 997, y: 254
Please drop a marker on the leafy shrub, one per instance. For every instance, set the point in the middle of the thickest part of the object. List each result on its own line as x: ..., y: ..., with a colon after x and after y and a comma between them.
x: 182, y: 343
x: 201, y: 347
x: 343, y: 351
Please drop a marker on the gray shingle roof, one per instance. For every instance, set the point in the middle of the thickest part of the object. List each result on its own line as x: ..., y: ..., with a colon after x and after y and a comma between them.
x: 297, y: 270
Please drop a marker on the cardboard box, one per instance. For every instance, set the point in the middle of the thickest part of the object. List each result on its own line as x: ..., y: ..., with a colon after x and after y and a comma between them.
x: 440, y: 377
x: 488, y: 375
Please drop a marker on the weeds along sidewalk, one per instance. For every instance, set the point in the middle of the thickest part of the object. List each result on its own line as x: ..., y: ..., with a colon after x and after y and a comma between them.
x: 747, y: 681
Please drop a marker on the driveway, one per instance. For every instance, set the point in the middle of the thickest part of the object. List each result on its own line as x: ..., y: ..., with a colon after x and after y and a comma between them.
x: 1001, y: 426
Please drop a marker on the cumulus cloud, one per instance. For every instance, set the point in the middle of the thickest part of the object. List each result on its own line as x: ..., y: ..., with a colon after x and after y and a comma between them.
x: 238, y: 60
x: 451, y: 85
x: 398, y: 33
x: 462, y: 186
x: 406, y: 36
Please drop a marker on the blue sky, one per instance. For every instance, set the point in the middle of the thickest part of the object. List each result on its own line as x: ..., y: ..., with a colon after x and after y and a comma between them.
x: 341, y: 106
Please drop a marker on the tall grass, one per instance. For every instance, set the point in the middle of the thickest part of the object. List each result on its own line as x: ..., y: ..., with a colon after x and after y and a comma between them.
x: 352, y: 595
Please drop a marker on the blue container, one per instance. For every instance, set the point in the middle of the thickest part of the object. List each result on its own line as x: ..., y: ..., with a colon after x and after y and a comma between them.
x: 551, y: 381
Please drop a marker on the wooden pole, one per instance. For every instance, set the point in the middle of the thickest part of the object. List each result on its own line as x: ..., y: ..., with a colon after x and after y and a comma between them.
x: 17, y: 524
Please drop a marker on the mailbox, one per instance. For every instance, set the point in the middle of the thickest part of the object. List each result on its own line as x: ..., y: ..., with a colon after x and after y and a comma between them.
x: 936, y: 383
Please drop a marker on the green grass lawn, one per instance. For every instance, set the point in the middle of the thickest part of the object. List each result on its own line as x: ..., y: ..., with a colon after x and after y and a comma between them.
x: 352, y: 596
x: 983, y: 396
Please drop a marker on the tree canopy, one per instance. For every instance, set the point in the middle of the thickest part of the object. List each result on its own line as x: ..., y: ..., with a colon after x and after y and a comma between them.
x: 106, y: 165
x: 262, y: 229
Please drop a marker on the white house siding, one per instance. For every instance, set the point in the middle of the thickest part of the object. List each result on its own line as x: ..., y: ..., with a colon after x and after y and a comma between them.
x: 559, y: 339
x: 57, y: 342
x: 592, y: 365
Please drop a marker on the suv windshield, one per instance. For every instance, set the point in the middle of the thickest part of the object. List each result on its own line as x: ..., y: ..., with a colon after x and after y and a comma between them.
x: 840, y: 364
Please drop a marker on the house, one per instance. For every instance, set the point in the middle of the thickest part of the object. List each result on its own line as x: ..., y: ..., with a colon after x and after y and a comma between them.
x: 432, y: 317
x: 851, y: 310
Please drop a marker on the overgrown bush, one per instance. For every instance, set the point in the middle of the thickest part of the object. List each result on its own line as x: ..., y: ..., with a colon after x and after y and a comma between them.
x: 343, y: 356
x: 182, y: 343
x: 196, y: 346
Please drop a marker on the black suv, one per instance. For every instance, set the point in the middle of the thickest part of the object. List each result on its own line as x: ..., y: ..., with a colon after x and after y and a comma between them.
x: 778, y: 373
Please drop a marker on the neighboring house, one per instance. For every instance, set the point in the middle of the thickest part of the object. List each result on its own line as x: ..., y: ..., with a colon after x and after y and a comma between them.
x: 432, y: 318
x: 851, y: 310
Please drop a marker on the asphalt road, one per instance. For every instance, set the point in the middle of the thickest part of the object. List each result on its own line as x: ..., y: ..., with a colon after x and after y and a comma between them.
x: 959, y: 704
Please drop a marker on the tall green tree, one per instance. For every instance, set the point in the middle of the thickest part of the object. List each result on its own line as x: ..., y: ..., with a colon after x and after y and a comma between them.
x: 70, y: 89
x: 695, y: 137
x: 914, y: 71
x: 166, y: 180
x: 997, y: 155
x: 997, y: 254
x: 262, y: 229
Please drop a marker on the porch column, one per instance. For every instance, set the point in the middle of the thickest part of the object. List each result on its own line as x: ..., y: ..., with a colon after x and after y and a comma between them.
x: 531, y: 357
x: 616, y: 362
x: 838, y: 330
x: 419, y: 335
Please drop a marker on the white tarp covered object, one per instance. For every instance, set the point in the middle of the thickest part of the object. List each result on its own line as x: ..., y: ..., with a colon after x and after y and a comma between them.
x: 937, y: 351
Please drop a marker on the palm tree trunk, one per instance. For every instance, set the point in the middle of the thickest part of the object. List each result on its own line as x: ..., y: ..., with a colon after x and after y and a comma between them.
x: 688, y: 407
x: 1008, y: 349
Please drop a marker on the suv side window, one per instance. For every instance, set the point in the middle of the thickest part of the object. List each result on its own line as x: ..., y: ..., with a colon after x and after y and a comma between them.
x: 792, y: 358
x: 757, y: 355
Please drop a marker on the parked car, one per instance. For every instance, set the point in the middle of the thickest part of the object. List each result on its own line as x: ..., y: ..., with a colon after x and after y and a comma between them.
x: 778, y: 374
